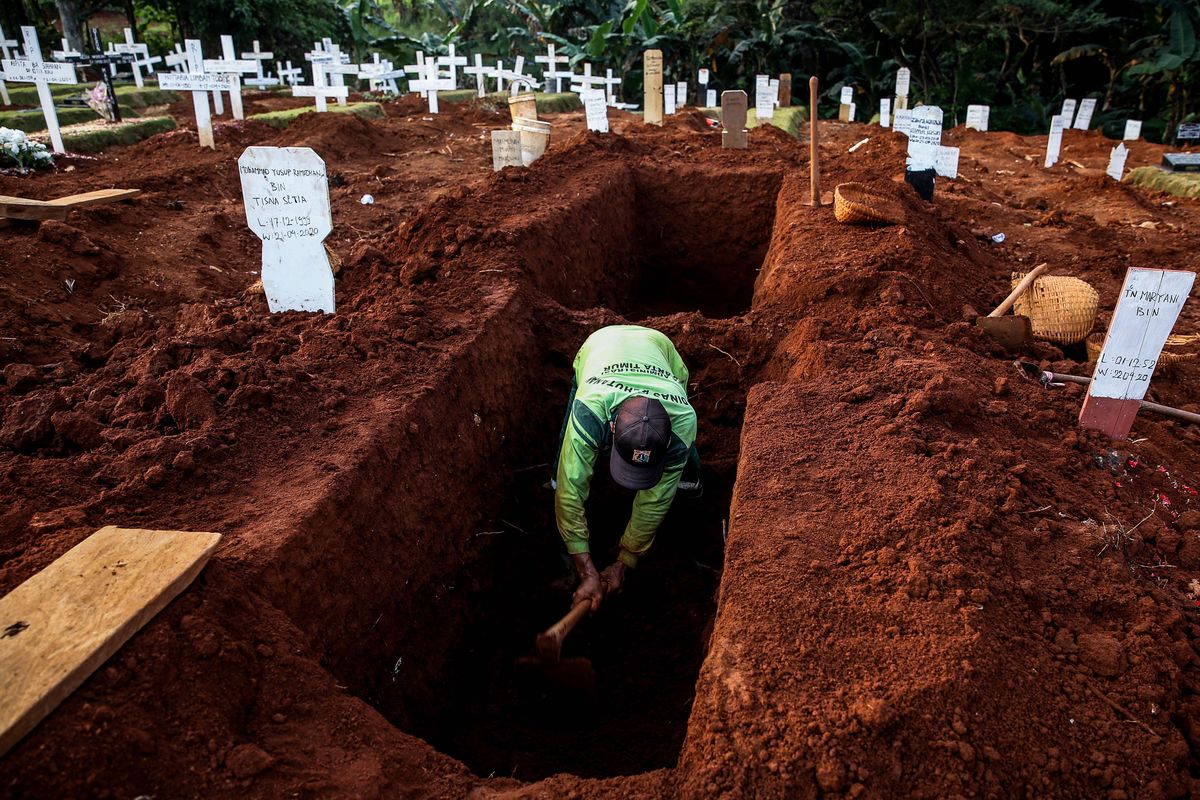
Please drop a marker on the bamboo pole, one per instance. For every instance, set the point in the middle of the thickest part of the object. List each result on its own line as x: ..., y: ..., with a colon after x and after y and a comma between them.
x: 813, y: 156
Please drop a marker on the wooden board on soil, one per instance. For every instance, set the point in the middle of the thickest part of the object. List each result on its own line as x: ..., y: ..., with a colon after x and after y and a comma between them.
x: 59, y: 626
x: 24, y: 208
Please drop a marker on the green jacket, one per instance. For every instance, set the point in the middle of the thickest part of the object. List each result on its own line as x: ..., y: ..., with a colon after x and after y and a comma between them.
x: 614, y: 363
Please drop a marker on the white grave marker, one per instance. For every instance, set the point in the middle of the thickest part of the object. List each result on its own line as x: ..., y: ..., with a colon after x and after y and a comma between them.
x: 587, y: 80
x: 903, y: 78
x: 1068, y: 111
x: 681, y: 94
x: 1116, y: 162
x: 177, y: 60
x: 902, y: 121
x: 669, y: 98
x: 885, y: 112
x: 947, y: 162
x: 286, y: 194
x: 710, y: 98
x: 518, y: 80
x: 1147, y: 308
x: 1054, y: 143
x: 320, y: 90
x: 339, y: 68
x: 977, y: 117
x: 596, y: 109
x: 1083, y: 120
x: 57, y: 55
x: 141, y: 53
x: 611, y: 83
x: 506, y: 150
x: 702, y: 80
x: 1133, y: 129
x: 549, y: 71
x: 480, y: 73
x: 231, y: 67
x: 924, y: 137
x: 33, y: 69
x: 293, y: 76
x: 452, y: 62
x: 847, y: 95
x: 6, y: 45
x: 258, y: 56
x: 199, y: 84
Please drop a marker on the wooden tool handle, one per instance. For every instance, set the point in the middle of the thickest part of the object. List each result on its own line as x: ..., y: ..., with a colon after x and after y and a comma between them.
x: 1025, y: 283
x: 549, y: 641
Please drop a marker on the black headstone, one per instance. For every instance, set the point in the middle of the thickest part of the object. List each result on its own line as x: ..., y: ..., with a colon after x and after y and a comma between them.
x: 1182, y: 162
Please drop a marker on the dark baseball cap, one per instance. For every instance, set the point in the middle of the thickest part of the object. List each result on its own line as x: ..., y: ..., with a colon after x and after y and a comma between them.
x: 641, y: 436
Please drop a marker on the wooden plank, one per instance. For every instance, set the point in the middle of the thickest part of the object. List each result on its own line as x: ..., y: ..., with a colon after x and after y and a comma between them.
x: 27, y: 209
x: 59, y: 626
x: 97, y: 197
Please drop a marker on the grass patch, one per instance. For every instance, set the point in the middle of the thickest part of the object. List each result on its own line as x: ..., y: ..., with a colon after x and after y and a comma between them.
x: 1180, y: 184
x: 93, y: 140
x: 282, y: 119
x: 550, y: 103
x: 127, y: 95
x: 790, y: 120
x: 31, y: 120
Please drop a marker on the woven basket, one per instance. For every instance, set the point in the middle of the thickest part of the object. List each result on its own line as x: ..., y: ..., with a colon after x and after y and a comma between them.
x: 1059, y: 308
x: 862, y: 204
x: 1095, y: 343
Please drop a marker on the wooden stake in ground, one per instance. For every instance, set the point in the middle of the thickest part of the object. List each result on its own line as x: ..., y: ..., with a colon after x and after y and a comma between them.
x: 286, y: 194
x: 61, y: 625
x: 785, y: 90
x: 814, y: 165
x: 33, y: 69
x: 652, y: 77
x: 733, y: 119
x: 1150, y: 302
x: 199, y: 84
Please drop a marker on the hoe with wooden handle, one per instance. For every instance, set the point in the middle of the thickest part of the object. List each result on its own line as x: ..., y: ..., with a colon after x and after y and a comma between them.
x: 1012, y: 332
x: 573, y: 673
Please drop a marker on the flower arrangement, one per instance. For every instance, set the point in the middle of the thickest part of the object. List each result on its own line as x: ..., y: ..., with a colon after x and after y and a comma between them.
x: 19, y: 149
x: 98, y: 100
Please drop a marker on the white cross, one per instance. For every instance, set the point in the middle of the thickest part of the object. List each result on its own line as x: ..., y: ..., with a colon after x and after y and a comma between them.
x: 177, y: 60
x: 610, y: 88
x: 517, y: 77
x: 320, y: 90
x: 481, y: 74
x: 587, y: 80
x: 551, y: 69
x: 430, y: 82
x: 417, y: 70
x: 32, y: 69
x: 381, y: 75
x: 339, y: 68
x: 293, y: 75
x: 231, y: 66
x: 66, y: 51
x: 199, y: 83
x: 498, y: 73
x: 4, y: 45
x: 453, y: 62
x: 141, y: 55
x: 258, y: 56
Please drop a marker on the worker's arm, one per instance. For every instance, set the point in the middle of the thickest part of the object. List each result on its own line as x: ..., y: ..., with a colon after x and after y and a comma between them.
x: 576, y: 462
x: 650, y: 506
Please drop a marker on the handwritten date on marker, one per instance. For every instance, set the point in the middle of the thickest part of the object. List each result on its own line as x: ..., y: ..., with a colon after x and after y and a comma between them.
x: 286, y: 195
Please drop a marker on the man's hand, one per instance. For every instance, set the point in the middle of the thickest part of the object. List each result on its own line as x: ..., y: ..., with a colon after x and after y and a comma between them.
x: 612, y: 577
x: 590, y: 588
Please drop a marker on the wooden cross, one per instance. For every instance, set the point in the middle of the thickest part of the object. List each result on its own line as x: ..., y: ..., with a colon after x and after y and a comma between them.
x: 293, y: 75
x: 733, y: 119
x: 258, y: 56
x: 453, y: 62
x: 551, y: 69
x: 321, y: 91
x: 587, y: 80
x: 5, y: 44
x: 339, y: 68
x: 232, y: 67
x: 33, y: 69
x: 481, y: 74
x: 652, y: 69
x: 196, y: 81
x: 429, y: 82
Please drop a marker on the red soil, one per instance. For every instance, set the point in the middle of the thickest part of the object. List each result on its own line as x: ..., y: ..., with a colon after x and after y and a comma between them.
x: 925, y: 592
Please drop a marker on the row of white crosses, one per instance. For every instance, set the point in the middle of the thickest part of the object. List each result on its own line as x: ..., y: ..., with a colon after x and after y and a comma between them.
x: 139, y: 50
x: 6, y: 45
x: 32, y: 68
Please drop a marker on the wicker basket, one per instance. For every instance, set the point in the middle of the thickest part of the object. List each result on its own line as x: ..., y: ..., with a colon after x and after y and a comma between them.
x: 1059, y: 308
x: 1168, y: 356
x: 862, y: 204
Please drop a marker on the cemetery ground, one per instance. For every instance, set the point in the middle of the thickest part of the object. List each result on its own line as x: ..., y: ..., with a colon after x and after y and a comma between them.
x: 911, y: 574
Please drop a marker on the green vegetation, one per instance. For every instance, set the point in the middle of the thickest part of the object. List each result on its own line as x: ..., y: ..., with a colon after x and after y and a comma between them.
x: 282, y: 119
x: 31, y: 120
x: 1182, y: 184
x: 790, y: 120
x: 93, y: 140
x: 25, y: 94
x: 1022, y: 57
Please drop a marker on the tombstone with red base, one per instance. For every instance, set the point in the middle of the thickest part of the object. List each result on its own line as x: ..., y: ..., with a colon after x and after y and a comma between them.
x: 1150, y: 302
